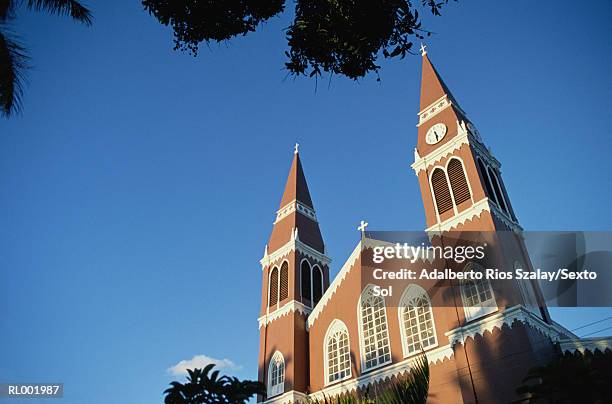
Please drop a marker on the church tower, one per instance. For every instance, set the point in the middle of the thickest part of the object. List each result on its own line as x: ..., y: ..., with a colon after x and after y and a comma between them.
x: 460, y: 179
x: 295, y: 274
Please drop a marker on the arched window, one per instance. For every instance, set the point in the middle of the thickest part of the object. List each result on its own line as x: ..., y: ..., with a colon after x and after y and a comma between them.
x: 317, y: 284
x: 459, y: 185
x: 441, y: 192
x: 337, y: 353
x: 374, y: 335
x: 284, y: 282
x: 273, y: 288
x: 276, y: 375
x: 498, y: 191
x: 305, y: 279
x: 485, y: 179
x: 416, y: 321
x: 477, y: 295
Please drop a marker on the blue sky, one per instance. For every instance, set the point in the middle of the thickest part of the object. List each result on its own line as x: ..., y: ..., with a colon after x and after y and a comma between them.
x: 139, y: 184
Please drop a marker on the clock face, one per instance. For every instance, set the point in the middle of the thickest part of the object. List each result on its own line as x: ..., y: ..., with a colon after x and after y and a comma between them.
x: 435, y: 133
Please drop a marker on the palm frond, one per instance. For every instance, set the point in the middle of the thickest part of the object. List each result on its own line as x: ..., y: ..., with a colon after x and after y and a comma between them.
x: 63, y: 7
x: 13, y: 62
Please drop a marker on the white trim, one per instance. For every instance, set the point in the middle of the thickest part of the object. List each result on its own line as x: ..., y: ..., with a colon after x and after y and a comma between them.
x: 294, y: 206
x: 293, y: 245
x: 434, y: 356
x: 334, y: 285
x: 586, y: 344
x: 411, y: 292
x: 276, y: 389
x: 290, y: 397
x: 433, y: 109
x: 362, y: 347
x: 469, y: 214
x: 335, y: 326
x: 292, y: 306
x: 507, y: 317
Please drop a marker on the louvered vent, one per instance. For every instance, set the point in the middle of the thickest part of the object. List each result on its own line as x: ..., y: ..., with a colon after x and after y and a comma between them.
x: 485, y: 179
x: 441, y: 192
x: 273, y: 288
x: 459, y: 184
x: 317, y: 284
x: 284, y: 281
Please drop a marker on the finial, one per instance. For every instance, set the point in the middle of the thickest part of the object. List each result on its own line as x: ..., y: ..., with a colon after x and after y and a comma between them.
x: 362, y: 227
x: 423, y: 49
x: 295, y: 148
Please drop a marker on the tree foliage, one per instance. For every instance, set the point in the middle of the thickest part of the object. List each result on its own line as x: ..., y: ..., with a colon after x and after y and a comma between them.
x: 13, y: 56
x: 412, y: 388
x: 204, y: 387
x: 570, y: 378
x: 344, y: 37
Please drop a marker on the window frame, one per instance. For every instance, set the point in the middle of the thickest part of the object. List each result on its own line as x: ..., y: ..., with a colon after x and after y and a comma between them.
x: 336, y: 327
x: 278, y: 388
x: 362, y: 345
x: 483, y: 308
x: 412, y: 292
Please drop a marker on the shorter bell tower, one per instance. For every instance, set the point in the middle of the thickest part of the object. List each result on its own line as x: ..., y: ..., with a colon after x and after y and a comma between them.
x: 295, y: 274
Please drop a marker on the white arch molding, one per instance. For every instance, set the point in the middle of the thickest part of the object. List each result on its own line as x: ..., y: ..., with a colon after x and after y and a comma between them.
x: 416, y: 305
x: 337, y: 353
x: 374, y: 341
x: 276, y: 375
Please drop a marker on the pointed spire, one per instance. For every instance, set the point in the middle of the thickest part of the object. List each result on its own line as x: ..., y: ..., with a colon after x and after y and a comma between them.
x: 432, y: 85
x: 296, y: 218
x: 296, y: 187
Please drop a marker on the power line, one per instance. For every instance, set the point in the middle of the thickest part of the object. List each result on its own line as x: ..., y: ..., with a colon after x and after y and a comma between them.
x: 593, y: 323
x: 595, y: 332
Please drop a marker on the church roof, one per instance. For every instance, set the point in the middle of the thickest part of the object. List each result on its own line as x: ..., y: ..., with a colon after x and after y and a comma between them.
x: 296, y: 213
x: 296, y: 187
x: 432, y: 86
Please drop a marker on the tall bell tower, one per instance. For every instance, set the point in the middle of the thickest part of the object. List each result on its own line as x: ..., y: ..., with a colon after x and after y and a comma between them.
x: 460, y: 179
x: 295, y: 274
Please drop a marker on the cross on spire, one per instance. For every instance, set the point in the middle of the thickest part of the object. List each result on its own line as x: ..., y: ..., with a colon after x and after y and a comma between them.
x: 295, y: 148
x: 362, y: 226
x: 423, y: 49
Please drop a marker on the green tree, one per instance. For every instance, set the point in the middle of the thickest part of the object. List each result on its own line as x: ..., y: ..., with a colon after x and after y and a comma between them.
x: 13, y: 57
x: 570, y: 378
x: 343, y: 37
x: 203, y: 387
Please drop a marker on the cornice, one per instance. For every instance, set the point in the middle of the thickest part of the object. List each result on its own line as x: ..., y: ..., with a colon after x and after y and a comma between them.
x: 289, y: 307
x: 586, y: 344
x: 433, y: 109
x: 294, y: 206
x: 292, y: 397
x: 469, y: 214
x: 293, y: 245
x: 434, y: 356
x: 506, y: 317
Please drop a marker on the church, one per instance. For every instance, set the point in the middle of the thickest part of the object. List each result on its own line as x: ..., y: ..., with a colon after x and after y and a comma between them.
x: 321, y: 337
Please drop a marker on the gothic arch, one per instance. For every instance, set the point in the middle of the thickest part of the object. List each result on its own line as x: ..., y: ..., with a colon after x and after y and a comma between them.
x: 317, y: 284
x: 417, y: 325
x: 443, y: 199
x: 276, y: 375
x: 374, y: 340
x: 305, y: 281
x: 336, y: 353
x: 283, y: 288
x: 273, y: 287
x: 460, y: 186
x: 484, y: 174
